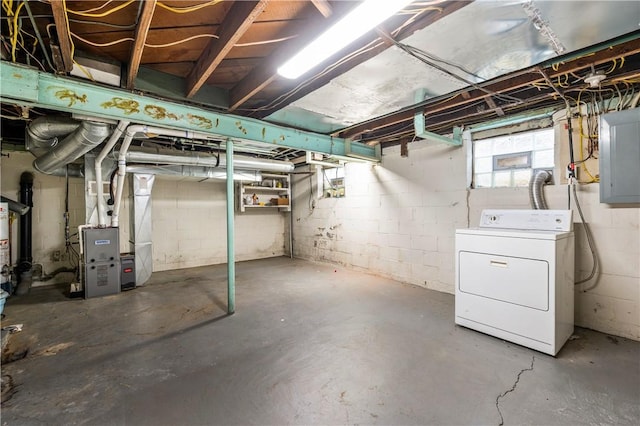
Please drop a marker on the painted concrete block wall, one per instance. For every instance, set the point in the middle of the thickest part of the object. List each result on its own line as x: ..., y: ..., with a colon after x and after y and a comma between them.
x: 190, y: 228
x: 189, y: 220
x: 48, y: 208
x: 398, y: 220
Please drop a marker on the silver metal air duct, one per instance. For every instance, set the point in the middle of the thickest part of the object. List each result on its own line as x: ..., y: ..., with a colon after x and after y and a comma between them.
x: 72, y: 170
x: 536, y: 194
x: 86, y: 137
x: 197, y: 159
x: 196, y: 172
x: 43, y: 132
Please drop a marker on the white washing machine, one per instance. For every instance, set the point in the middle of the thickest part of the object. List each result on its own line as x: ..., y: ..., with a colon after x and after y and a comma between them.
x: 515, y: 277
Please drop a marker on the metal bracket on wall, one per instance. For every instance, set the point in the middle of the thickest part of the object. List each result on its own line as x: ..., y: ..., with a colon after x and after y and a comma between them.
x: 419, y: 126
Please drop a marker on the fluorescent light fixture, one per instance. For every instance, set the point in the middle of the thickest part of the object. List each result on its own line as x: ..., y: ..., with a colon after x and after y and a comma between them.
x: 354, y: 25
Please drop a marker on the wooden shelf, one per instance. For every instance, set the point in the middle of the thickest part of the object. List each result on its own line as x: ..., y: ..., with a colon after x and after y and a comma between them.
x: 280, y: 187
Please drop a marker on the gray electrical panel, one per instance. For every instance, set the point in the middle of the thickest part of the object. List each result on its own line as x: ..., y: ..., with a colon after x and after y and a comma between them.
x: 620, y: 157
x: 101, y: 266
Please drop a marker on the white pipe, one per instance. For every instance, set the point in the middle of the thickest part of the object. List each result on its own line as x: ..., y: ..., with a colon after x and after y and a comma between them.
x: 196, y: 172
x: 122, y: 125
x: 122, y: 170
x: 197, y: 159
x: 122, y: 162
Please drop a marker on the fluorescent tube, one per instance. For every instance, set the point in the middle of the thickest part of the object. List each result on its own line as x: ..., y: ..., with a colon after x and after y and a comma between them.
x: 355, y: 24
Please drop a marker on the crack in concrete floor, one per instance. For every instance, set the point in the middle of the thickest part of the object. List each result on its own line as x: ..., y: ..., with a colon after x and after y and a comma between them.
x: 513, y: 388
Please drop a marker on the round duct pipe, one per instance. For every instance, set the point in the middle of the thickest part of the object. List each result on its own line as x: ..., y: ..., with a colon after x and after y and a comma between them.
x: 86, y: 137
x: 44, y: 131
x: 536, y: 194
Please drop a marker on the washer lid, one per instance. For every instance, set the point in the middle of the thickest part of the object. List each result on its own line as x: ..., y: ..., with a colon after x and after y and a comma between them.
x: 515, y: 233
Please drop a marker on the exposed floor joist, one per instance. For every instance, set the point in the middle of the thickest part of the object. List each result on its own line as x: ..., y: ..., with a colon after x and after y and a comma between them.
x: 262, y: 76
x: 323, y: 7
x: 240, y: 17
x: 142, y: 29
x: 62, y: 30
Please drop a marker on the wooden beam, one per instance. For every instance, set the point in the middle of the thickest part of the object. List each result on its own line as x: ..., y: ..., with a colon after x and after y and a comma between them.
x: 500, y: 84
x: 492, y: 104
x: 142, y: 29
x: 236, y: 23
x: 430, y: 17
x: 323, y: 6
x: 262, y: 75
x: 60, y: 19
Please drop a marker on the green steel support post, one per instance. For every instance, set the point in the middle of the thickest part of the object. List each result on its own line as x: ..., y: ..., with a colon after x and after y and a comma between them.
x: 231, y: 255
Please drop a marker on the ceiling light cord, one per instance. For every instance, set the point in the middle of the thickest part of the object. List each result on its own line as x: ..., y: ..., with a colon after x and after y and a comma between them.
x: 188, y: 9
x: 428, y: 58
x: 102, y: 14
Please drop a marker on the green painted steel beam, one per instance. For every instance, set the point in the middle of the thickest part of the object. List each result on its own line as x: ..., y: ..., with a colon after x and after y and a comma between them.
x: 25, y: 85
x: 174, y: 87
x: 512, y: 120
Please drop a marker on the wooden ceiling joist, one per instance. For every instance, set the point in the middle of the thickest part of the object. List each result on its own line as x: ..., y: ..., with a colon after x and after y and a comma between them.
x: 323, y: 7
x: 142, y: 29
x: 261, y: 77
x: 64, y: 38
x: 238, y: 20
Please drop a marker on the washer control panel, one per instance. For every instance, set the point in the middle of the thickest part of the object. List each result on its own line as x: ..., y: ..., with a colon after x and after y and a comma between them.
x: 538, y: 220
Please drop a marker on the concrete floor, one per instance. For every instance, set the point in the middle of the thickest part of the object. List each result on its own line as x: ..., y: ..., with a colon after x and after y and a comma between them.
x: 309, y: 344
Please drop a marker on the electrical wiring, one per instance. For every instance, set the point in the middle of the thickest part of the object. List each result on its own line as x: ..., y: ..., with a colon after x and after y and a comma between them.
x: 258, y: 43
x: 14, y: 38
x: 100, y: 15
x: 188, y: 9
x: 96, y: 8
x: 106, y: 24
x: 285, y: 96
x: 31, y: 55
x: 413, y: 52
x: 107, y: 44
x: 173, y: 43
x: 435, y: 58
x: 9, y: 117
x: 181, y: 41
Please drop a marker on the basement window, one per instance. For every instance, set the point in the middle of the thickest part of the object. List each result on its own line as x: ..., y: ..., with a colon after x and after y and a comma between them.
x: 508, y: 161
x: 333, y: 182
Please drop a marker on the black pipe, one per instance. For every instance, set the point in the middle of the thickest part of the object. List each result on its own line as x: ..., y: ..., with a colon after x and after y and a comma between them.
x: 26, y: 230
